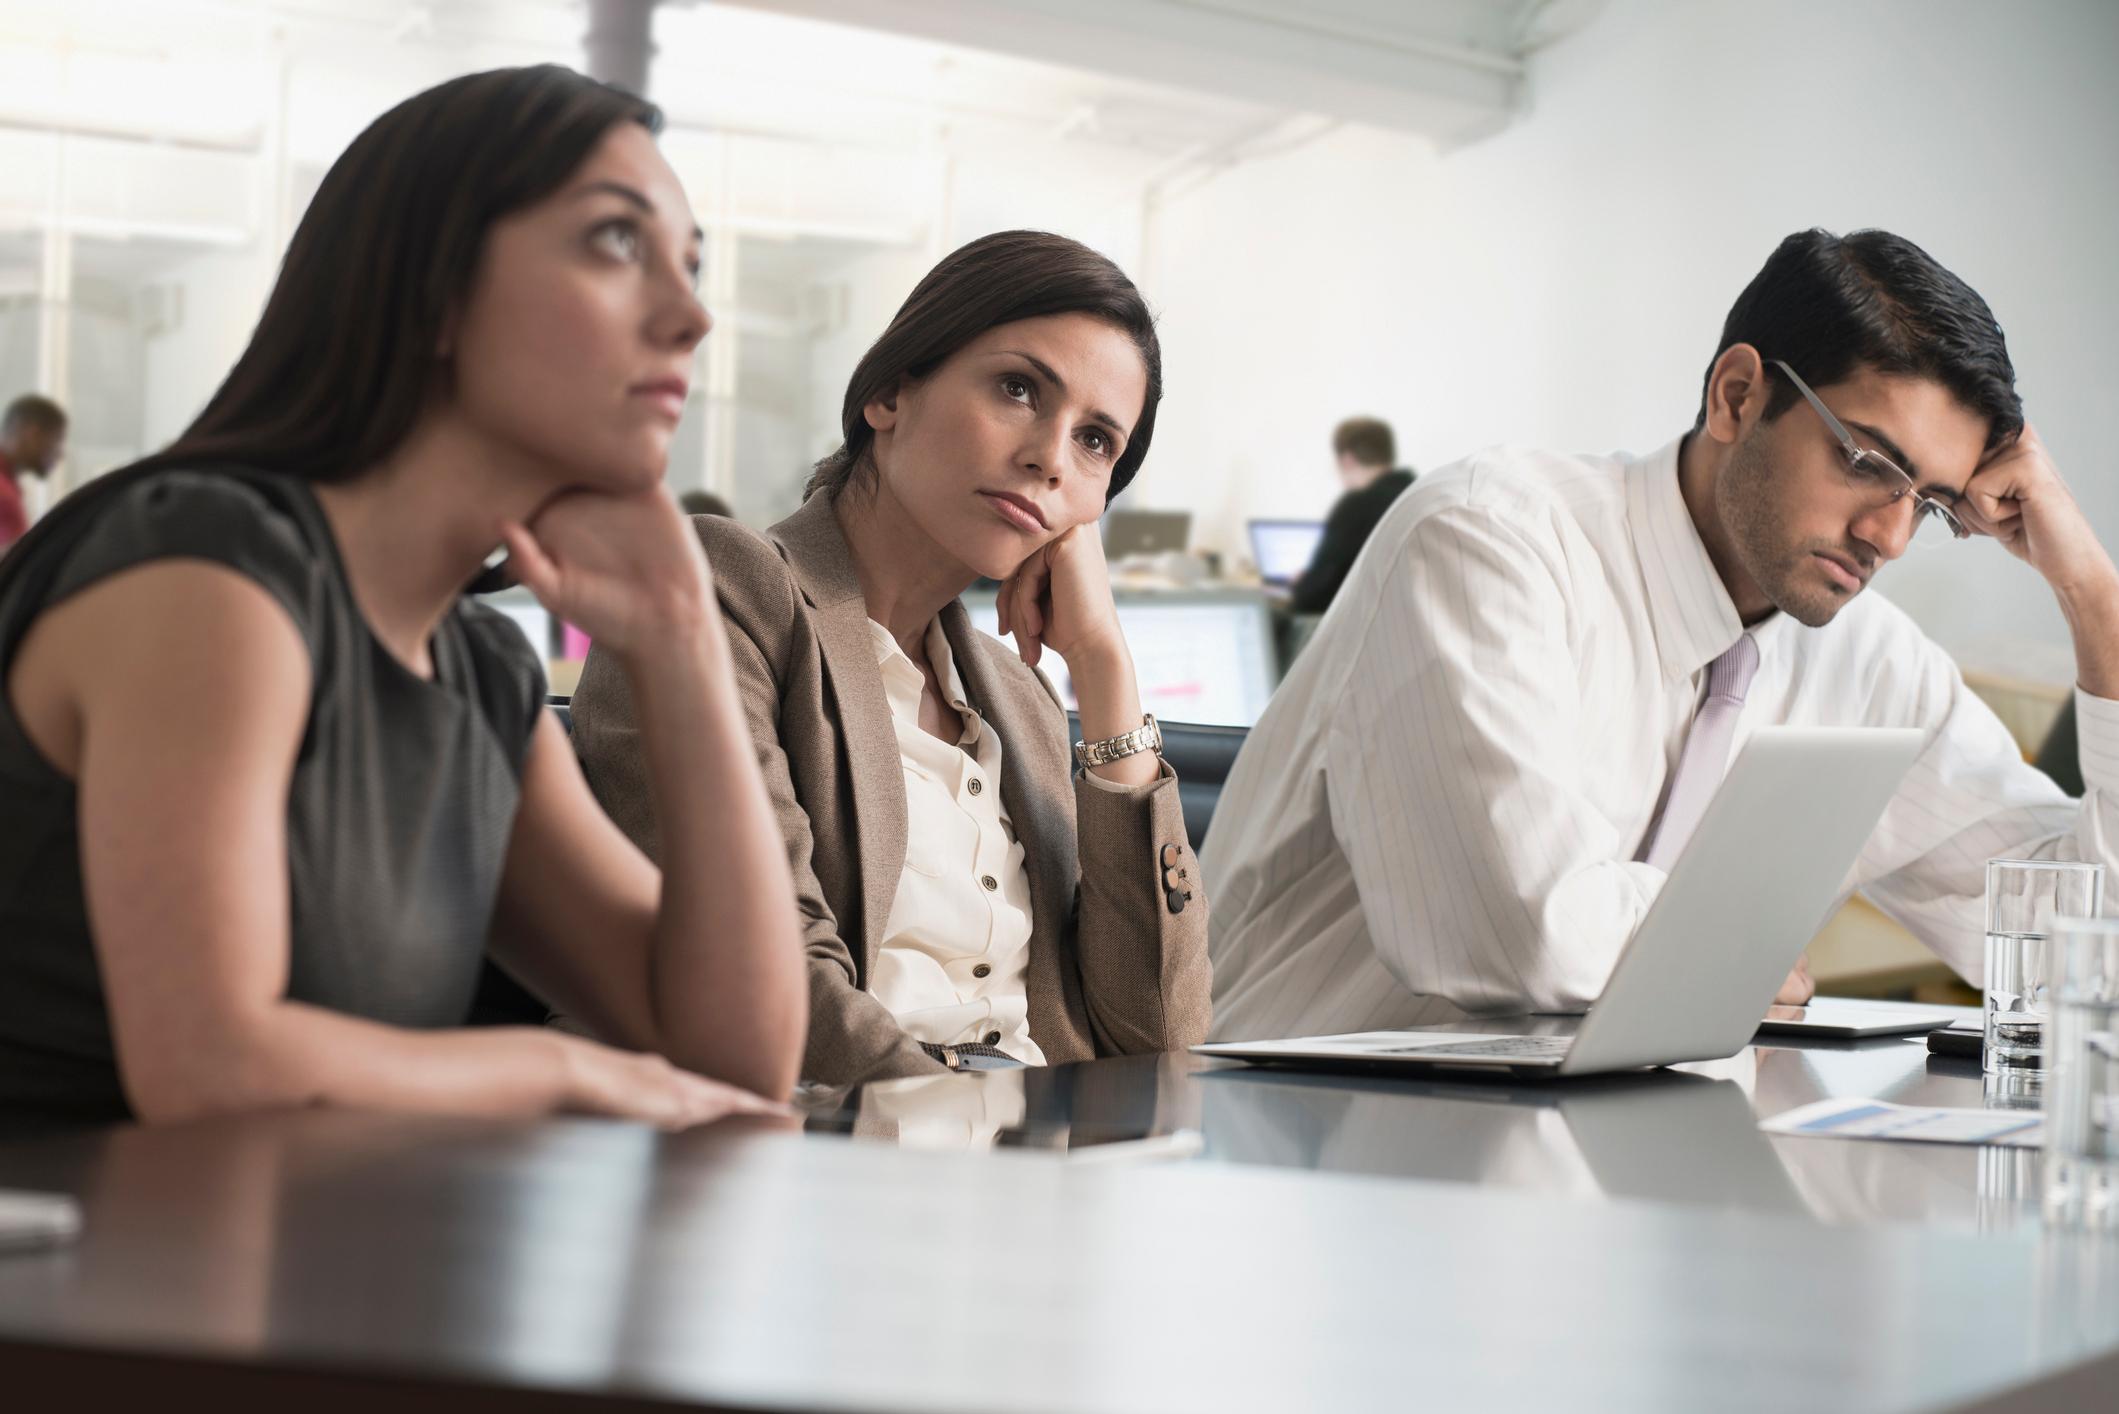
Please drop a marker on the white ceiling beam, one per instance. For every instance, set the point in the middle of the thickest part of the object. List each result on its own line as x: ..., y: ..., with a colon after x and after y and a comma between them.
x: 1386, y: 76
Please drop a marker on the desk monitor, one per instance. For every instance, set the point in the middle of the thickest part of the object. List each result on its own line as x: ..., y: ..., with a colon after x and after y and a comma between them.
x: 1145, y: 532
x: 1203, y: 656
x: 531, y: 617
x: 1283, y: 548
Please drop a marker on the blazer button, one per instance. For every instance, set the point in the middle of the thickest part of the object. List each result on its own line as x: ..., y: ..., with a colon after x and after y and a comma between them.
x: 1175, y: 898
x: 988, y: 883
x: 982, y: 970
x: 993, y: 1038
x: 1170, y: 856
x: 976, y: 785
x: 1176, y: 878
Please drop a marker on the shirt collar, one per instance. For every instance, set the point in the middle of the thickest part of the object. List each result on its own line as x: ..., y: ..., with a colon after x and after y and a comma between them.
x: 902, y: 682
x: 1694, y: 619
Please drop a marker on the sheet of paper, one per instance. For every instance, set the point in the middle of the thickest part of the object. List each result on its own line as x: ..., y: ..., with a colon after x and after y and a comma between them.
x: 1878, y: 1119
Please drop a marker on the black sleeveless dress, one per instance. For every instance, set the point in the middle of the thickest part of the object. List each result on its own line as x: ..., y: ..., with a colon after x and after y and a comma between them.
x: 398, y: 815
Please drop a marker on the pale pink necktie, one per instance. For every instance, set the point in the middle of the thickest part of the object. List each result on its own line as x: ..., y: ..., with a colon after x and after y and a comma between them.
x: 1706, y: 754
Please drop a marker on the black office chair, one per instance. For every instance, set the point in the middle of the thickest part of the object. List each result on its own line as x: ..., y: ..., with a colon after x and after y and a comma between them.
x: 1291, y: 634
x: 1201, y: 756
x: 2060, y: 757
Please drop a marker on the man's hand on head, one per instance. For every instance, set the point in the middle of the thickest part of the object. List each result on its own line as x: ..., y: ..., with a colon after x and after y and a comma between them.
x: 2018, y: 497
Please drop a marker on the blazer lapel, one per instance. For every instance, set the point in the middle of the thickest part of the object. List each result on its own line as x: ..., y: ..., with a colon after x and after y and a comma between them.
x: 1034, y: 756
x: 815, y: 549
x: 1037, y: 788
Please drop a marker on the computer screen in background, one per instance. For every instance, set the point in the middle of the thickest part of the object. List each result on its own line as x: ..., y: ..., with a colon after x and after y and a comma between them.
x: 1284, y: 548
x: 531, y: 617
x: 1204, y: 657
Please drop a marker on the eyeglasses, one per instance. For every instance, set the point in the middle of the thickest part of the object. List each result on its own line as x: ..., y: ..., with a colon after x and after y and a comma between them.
x: 1871, y: 472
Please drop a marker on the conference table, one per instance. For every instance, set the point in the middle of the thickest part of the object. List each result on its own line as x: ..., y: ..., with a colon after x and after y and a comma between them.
x: 1151, y: 1233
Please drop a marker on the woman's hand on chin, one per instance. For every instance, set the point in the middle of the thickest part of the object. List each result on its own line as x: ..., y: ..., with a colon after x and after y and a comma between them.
x: 626, y: 570
x: 1060, y: 598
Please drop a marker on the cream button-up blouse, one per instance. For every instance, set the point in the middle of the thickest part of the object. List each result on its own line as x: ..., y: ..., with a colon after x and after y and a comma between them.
x: 955, y: 952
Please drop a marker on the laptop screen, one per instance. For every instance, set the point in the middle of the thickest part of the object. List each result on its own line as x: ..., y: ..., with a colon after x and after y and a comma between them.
x: 1283, y: 548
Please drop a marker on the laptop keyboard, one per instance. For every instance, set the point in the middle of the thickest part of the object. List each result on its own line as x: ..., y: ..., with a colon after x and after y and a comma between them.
x: 1506, y: 1047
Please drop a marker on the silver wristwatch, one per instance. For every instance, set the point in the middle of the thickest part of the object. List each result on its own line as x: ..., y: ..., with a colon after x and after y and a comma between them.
x: 1145, y: 737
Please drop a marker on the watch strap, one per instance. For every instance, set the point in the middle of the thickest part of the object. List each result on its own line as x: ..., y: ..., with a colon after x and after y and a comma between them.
x: 1147, y: 736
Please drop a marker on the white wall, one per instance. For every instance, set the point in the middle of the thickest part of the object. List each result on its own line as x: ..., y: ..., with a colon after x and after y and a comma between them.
x: 872, y: 286
x: 1564, y: 283
x: 336, y: 85
x: 221, y: 296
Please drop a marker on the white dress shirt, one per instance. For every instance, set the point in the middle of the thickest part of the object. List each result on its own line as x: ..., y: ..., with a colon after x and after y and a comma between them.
x: 955, y: 953
x: 1439, y: 811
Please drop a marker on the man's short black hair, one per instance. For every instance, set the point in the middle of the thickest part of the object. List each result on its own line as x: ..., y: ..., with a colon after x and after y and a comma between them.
x: 33, y: 410
x: 1828, y: 305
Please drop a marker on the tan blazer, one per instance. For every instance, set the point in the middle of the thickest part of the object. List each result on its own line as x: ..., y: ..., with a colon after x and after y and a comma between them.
x: 1113, y: 969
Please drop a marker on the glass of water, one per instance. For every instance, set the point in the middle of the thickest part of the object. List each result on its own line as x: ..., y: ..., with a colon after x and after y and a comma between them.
x: 2082, y: 1077
x: 2025, y: 897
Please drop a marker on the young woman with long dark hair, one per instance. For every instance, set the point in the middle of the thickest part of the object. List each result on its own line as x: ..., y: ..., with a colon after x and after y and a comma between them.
x: 274, y: 787
x: 969, y: 896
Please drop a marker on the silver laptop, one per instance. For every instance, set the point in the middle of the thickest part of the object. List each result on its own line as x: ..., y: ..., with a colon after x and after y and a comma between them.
x: 1748, y: 892
x: 1145, y: 532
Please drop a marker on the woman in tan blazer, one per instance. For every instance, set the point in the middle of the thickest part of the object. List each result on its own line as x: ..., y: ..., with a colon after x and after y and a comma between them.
x: 1062, y: 918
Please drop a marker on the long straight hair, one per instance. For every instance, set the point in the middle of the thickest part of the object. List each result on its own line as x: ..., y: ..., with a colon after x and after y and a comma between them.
x: 345, y: 357
x: 994, y: 280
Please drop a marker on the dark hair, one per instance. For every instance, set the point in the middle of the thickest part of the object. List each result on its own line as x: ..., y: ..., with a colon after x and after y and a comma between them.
x: 343, y: 359
x: 1367, y: 440
x: 705, y: 503
x: 34, y: 410
x: 995, y: 280
x: 1828, y: 305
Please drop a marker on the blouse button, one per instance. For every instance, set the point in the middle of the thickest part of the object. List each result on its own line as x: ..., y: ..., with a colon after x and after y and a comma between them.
x: 976, y: 785
x: 988, y: 883
x: 982, y: 970
x: 993, y: 1038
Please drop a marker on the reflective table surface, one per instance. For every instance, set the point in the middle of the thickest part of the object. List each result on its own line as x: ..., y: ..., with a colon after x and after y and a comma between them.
x: 1688, y: 1134
x: 1629, y: 1243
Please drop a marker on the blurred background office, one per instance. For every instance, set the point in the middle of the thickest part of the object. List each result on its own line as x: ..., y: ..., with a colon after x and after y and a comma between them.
x: 1476, y: 220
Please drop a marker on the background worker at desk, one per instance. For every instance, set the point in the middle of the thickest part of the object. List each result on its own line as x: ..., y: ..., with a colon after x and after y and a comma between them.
x: 1365, y: 450
x: 1465, y: 797
x: 32, y: 439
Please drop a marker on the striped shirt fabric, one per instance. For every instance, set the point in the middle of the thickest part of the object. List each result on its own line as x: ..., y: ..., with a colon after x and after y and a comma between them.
x: 1439, y: 812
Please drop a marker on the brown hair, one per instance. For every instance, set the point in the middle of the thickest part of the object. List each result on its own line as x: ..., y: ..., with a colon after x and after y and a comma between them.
x: 705, y: 503
x: 1367, y: 440
x: 994, y: 280
x: 343, y: 358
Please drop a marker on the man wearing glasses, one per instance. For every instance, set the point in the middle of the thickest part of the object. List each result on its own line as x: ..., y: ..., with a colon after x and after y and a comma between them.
x: 1472, y: 784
